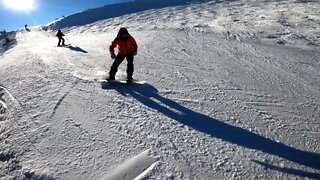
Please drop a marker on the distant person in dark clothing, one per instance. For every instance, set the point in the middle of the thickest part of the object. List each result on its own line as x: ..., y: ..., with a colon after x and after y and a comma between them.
x: 60, y: 37
x: 26, y: 27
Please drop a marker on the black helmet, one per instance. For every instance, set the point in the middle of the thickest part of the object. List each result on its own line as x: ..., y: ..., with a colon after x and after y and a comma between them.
x: 123, y: 30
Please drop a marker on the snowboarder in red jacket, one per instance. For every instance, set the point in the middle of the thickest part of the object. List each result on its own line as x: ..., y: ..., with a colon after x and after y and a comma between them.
x: 127, y: 49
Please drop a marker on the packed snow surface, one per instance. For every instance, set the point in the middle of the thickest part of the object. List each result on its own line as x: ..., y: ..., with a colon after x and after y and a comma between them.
x: 232, y: 92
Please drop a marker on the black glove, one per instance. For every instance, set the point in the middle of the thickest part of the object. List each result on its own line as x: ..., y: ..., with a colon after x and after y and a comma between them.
x: 113, y: 56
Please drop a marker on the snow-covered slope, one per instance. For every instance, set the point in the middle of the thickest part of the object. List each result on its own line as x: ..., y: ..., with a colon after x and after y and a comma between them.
x: 224, y: 98
x: 290, y: 22
x: 115, y: 10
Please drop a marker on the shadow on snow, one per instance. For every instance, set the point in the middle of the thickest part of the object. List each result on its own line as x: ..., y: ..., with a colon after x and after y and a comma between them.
x: 218, y: 129
x: 78, y: 49
x: 289, y: 170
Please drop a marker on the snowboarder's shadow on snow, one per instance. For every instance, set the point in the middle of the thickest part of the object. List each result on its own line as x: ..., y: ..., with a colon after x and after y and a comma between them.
x: 146, y: 94
x: 78, y: 49
x: 289, y: 170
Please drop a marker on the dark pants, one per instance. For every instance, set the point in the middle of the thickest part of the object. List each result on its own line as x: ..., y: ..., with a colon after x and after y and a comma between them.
x: 60, y: 38
x: 119, y: 59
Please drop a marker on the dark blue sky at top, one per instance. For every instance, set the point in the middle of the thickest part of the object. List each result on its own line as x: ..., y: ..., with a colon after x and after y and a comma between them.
x: 46, y: 11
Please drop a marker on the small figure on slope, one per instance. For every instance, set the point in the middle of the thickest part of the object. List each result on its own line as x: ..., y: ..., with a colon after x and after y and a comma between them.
x: 60, y: 37
x: 26, y: 27
x: 127, y: 49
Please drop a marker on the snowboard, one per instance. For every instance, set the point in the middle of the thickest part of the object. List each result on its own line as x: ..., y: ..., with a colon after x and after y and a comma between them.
x: 134, y: 81
x: 66, y: 45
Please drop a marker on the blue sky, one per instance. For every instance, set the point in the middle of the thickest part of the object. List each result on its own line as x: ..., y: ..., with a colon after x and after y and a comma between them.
x: 45, y: 11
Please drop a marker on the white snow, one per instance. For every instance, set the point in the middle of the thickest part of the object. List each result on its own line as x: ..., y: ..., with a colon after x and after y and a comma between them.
x: 232, y: 92
x: 133, y: 168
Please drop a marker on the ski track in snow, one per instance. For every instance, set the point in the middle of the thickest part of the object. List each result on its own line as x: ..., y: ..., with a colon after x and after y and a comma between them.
x: 61, y: 99
x: 224, y: 98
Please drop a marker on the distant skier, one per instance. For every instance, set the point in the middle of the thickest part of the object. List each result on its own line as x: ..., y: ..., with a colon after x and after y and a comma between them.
x: 26, y: 27
x: 127, y: 49
x: 60, y: 37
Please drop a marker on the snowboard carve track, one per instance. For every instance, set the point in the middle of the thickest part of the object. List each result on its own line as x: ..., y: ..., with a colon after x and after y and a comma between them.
x: 60, y: 100
x: 58, y: 104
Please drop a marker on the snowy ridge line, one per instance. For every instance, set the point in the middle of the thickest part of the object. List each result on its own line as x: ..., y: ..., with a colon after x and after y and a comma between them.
x: 114, y: 11
x: 134, y: 168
